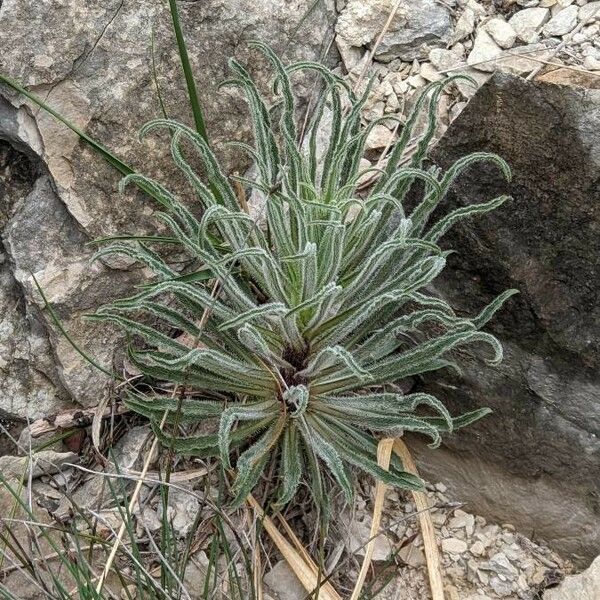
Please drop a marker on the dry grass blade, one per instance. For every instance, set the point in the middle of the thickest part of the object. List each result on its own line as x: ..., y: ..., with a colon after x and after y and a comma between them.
x: 422, y: 503
x: 132, y: 502
x: 384, y: 452
x: 303, y: 566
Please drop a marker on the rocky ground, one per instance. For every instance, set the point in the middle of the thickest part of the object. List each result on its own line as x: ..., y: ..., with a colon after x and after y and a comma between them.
x: 429, y: 40
x: 480, y: 560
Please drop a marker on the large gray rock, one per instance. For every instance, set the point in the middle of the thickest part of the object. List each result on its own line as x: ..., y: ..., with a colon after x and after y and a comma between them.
x: 536, y: 461
x: 418, y: 25
x: 93, y: 63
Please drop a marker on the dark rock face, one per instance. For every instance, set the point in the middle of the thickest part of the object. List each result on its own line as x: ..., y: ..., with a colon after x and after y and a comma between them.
x: 537, y: 458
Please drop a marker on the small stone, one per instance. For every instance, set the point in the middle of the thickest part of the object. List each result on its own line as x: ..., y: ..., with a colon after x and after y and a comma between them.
x: 442, y: 60
x: 591, y: 63
x: 464, y: 26
x: 528, y: 3
x: 502, y: 33
x: 392, y: 104
x: 357, y: 535
x: 282, y: 580
x: 519, y: 59
x: 454, y: 546
x: 351, y: 55
x: 477, y: 548
x: 456, y: 110
x: 379, y: 137
x: 416, y: 81
x: 500, y: 565
x: 413, y: 556
x: 485, y: 51
x: 589, y: 12
x: 527, y: 23
x: 547, y: 3
x: 504, y: 589
x: 429, y: 72
x: 562, y: 23
x: 129, y: 592
x: 182, y: 509
x: 462, y: 520
x: 476, y: 7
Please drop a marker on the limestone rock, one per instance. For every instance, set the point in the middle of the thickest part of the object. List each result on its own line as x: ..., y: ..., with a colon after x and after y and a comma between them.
x: 19, y: 468
x: 465, y: 25
x: 589, y: 12
x: 529, y: 22
x: 92, y: 62
x: 502, y: 33
x: 584, y: 586
x: 485, y: 51
x: 562, y: 22
x: 415, y: 28
x: 540, y: 447
x: 282, y: 580
x: 454, y: 546
x: 443, y: 59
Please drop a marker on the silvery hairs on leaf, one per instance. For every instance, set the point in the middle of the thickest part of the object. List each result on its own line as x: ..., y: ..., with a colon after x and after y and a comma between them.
x: 318, y: 311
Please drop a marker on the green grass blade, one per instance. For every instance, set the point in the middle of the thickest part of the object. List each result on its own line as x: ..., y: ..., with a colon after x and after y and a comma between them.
x: 187, y: 71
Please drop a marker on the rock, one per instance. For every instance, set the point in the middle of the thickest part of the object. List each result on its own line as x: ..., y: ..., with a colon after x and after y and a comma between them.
x: 454, y: 546
x: 467, y: 88
x: 503, y: 589
x: 92, y: 62
x: 499, y: 564
x: 485, y: 50
x: 566, y: 76
x: 540, y: 447
x: 562, y: 22
x: 462, y: 520
x: 477, y: 548
x: 591, y: 63
x: 412, y: 555
x: 443, y: 59
x: 182, y: 510
x: 357, y: 534
x: 351, y: 56
x: 528, y: 23
x: 416, y: 81
x: 584, y: 586
x: 502, y: 33
x: 465, y: 25
x: 589, y: 12
x: 129, y: 451
x: 429, y: 72
x: 44, y: 462
x: 194, y: 578
x: 29, y: 383
x: 416, y: 26
x: 379, y: 137
x: 282, y: 580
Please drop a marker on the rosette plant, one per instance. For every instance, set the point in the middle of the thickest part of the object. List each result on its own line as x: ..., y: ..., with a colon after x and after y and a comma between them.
x: 291, y: 333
